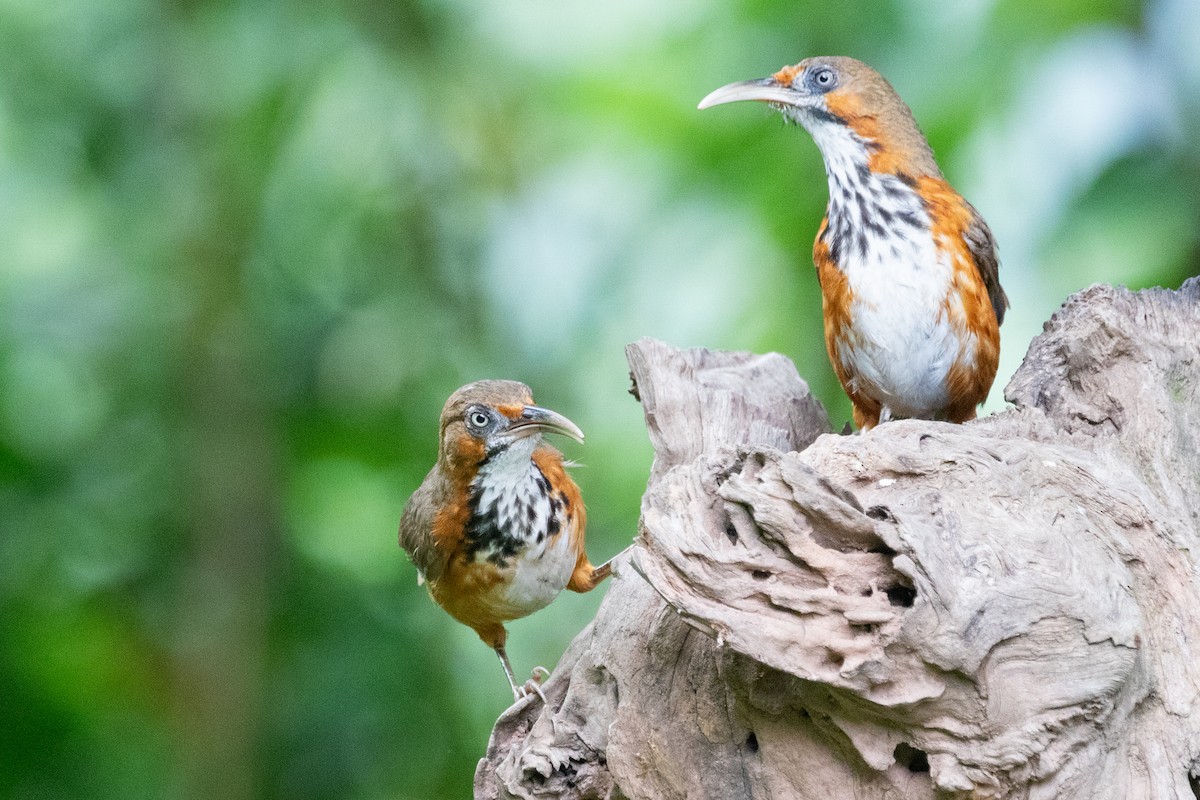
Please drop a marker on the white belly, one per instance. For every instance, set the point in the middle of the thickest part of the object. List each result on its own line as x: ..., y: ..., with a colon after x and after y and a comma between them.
x: 903, y: 343
x: 539, y: 577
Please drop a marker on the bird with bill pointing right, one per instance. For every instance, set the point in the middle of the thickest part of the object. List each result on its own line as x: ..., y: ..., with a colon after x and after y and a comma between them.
x: 908, y: 269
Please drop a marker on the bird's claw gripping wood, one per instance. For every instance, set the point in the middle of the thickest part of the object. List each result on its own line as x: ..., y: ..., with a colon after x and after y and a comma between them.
x: 908, y: 268
x: 538, y: 675
x: 496, y: 530
x: 597, y: 574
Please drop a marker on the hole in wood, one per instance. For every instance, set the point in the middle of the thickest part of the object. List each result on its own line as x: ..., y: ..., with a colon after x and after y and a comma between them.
x: 731, y: 532
x: 759, y: 574
x: 911, y: 758
x: 902, y: 596
x: 752, y: 742
x: 881, y: 513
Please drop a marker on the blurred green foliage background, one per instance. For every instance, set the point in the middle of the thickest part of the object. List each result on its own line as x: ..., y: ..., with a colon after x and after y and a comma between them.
x: 247, y: 249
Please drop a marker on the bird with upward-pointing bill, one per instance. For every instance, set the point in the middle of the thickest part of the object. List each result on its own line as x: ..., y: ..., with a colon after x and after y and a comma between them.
x: 908, y: 268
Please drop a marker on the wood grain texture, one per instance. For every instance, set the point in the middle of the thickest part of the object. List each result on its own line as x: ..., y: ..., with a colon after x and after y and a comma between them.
x: 1004, y: 609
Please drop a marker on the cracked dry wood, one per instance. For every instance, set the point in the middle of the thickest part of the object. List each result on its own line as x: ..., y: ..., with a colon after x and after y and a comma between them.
x: 1004, y: 609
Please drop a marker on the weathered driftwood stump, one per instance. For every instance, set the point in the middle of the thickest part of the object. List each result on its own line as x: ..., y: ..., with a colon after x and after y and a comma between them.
x: 1004, y: 609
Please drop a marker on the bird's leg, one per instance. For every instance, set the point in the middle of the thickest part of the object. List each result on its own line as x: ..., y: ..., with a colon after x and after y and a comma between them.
x: 508, y: 673
x: 885, y: 414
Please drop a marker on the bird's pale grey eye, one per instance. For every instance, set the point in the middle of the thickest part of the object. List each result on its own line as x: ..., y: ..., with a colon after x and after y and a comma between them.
x: 823, y: 79
x: 478, y: 419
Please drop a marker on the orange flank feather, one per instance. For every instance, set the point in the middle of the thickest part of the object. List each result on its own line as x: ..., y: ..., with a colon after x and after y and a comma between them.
x: 585, y: 576
x: 836, y: 299
x: 451, y: 517
x: 450, y: 521
x: 967, y: 305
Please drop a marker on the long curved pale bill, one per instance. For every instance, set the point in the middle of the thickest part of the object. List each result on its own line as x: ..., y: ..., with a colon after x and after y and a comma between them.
x: 765, y: 90
x: 536, y: 418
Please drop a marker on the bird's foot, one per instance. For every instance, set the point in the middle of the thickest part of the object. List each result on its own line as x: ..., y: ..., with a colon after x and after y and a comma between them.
x: 606, y: 569
x: 533, y: 686
x: 865, y: 423
x: 528, y: 688
x: 586, y: 577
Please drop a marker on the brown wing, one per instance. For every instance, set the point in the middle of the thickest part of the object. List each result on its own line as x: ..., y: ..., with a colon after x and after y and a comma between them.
x: 982, y: 245
x: 416, y: 527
